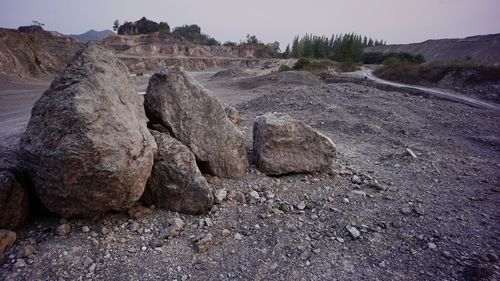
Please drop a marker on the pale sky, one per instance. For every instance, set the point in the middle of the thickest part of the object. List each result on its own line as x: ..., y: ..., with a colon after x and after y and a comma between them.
x: 396, y: 21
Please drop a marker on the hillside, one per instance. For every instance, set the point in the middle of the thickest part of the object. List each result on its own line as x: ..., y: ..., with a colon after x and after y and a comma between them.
x: 153, y: 51
x: 484, y: 49
x: 31, y: 52
x: 92, y: 35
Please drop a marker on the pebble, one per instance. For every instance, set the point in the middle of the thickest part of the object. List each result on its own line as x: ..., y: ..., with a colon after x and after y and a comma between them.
x: 237, y: 196
x: 432, y: 246
x: 353, y: 231
x: 419, y: 210
x: 28, y: 251
x: 405, y: 210
x: 447, y: 254
x: 203, y: 242
x: 301, y: 205
x: 87, y: 262
x: 174, y: 228
x: 345, y: 200
x: 226, y: 232
x: 382, y: 264
x: 254, y: 195
x: 85, y: 229
x: 238, y: 236
x: 356, y: 179
x: 20, y: 263
x: 63, y: 229
x: 220, y: 195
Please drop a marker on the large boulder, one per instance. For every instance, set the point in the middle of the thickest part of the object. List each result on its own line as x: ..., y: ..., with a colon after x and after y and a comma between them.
x: 87, y: 145
x: 195, y: 117
x: 176, y: 183
x: 13, y: 201
x: 284, y: 145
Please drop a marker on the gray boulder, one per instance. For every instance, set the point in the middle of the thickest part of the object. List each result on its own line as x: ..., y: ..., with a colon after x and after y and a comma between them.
x: 87, y: 146
x: 176, y: 183
x: 195, y: 117
x: 13, y: 201
x: 284, y: 145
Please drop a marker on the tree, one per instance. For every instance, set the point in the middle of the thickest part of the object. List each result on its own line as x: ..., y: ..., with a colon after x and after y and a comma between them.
x: 286, y: 54
x: 116, y: 25
x: 273, y: 49
x: 252, y: 39
x: 37, y: 23
x: 163, y: 27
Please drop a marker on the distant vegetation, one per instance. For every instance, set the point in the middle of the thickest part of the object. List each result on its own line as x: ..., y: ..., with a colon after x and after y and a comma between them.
x: 392, y: 58
x: 432, y: 73
x: 193, y: 34
x: 142, y: 26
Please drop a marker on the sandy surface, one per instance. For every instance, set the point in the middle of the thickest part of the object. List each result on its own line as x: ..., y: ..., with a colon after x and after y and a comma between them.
x: 433, y: 217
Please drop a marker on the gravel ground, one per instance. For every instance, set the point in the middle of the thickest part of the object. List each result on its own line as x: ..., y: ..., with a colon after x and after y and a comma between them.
x: 412, y: 195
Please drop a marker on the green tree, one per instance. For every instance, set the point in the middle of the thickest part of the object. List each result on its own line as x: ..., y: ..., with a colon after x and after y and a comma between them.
x: 116, y: 25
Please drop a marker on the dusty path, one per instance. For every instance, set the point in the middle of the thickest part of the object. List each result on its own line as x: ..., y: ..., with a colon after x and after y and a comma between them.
x: 368, y: 73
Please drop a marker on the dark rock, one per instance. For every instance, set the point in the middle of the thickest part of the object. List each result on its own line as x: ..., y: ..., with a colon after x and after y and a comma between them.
x: 87, y: 145
x: 176, y: 183
x: 195, y: 117
x: 284, y: 145
x: 7, y: 239
x: 13, y: 201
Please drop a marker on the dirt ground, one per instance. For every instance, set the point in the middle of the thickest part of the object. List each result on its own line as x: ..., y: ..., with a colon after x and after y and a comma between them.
x: 430, y: 217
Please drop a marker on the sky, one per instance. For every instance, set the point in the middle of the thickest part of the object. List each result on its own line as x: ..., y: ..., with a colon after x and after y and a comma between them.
x: 395, y: 21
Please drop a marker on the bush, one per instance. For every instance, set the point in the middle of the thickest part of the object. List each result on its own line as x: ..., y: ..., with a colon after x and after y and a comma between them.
x: 392, y: 58
x: 284, y: 67
x: 302, y: 64
x: 314, y: 66
x: 193, y: 34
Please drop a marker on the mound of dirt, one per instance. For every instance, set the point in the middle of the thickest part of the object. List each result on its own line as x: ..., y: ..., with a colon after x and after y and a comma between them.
x: 281, y: 78
x: 228, y: 73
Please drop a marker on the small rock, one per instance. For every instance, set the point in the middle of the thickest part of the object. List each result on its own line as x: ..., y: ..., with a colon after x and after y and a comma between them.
x: 353, y: 231
x: 134, y: 226
x: 237, y: 196
x: 382, y: 264
x: 432, y: 246
x: 226, y: 232
x: 63, y: 229
x: 254, y: 195
x: 7, y: 239
x: 405, y: 210
x: 340, y: 239
x: 220, y: 195
x: 345, y: 200
x: 85, y: 229
x: 238, y: 236
x: 203, y: 242
x: 208, y: 222
x: 447, y: 254
x: 87, y: 262
x: 270, y: 195
x: 174, y: 228
x: 20, y: 263
x: 28, y: 251
x: 137, y: 211
x: 301, y: 205
x: 356, y: 179
x: 419, y: 210
x: 411, y: 153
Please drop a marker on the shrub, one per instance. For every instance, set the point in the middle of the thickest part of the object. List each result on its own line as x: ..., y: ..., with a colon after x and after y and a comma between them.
x: 284, y: 67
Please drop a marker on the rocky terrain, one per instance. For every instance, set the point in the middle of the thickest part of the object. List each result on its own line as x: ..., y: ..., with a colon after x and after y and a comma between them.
x: 33, y: 52
x: 411, y: 192
x: 482, y: 49
x: 153, y: 51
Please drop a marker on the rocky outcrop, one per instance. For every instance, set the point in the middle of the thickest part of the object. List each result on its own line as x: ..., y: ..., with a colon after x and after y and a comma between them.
x: 13, y: 201
x: 33, y: 53
x: 176, y: 183
x: 87, y: 145
x: 197, y: 119
x: 284, y: 145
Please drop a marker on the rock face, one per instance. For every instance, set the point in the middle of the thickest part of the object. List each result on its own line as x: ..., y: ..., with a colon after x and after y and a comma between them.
x: 175, y: 183
x: 284, y: 145
x: 87, y: 145
x: 13, y: 201
x: 197, y: 119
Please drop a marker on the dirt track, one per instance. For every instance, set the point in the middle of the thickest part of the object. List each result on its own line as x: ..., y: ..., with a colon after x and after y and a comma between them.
x: 434, y: 217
